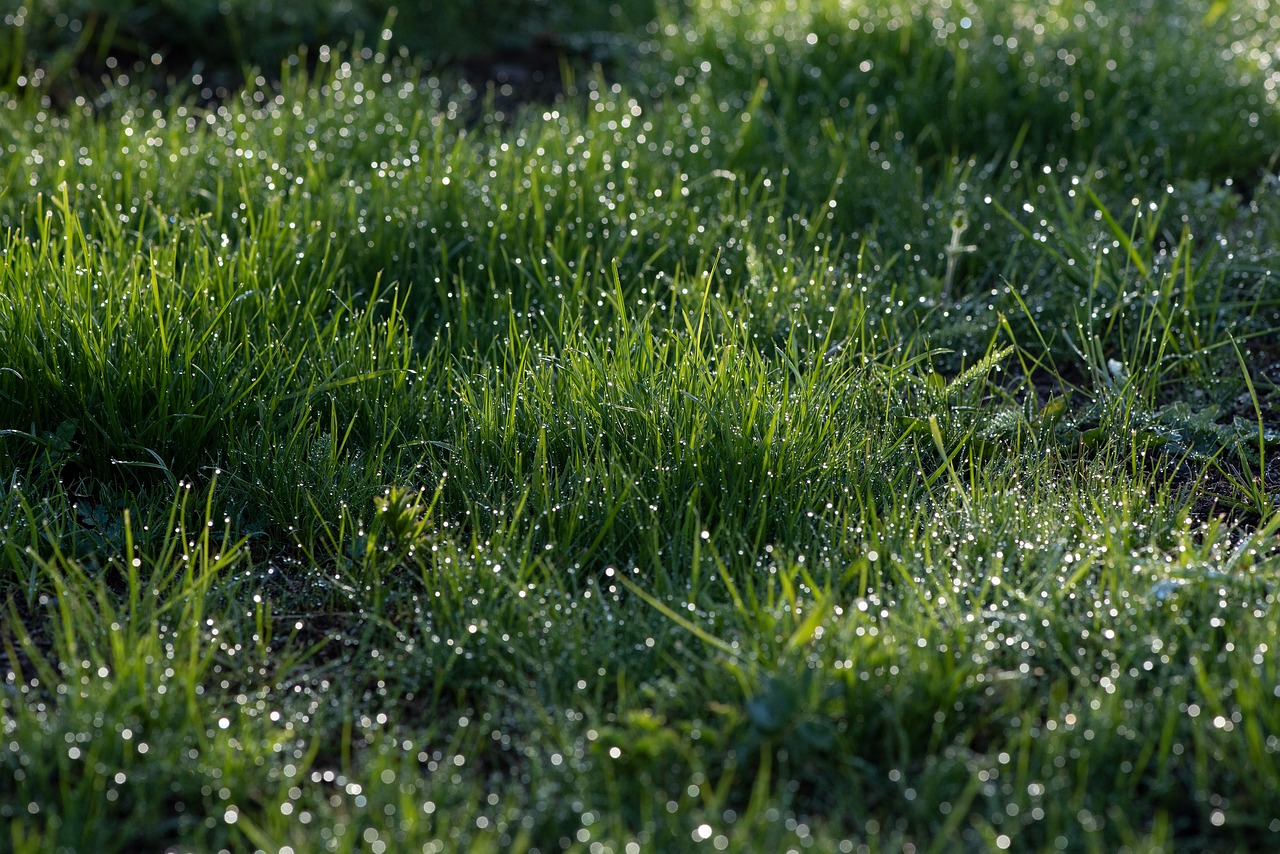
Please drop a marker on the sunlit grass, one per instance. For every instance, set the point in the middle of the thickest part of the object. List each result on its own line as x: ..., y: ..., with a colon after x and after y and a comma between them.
x: 700, y: 460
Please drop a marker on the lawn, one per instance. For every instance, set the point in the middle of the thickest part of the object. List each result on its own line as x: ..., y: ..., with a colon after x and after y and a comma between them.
x: 810, y: 425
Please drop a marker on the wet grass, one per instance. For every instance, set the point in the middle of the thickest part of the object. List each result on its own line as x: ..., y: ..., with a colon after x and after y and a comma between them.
x: 809, y: 438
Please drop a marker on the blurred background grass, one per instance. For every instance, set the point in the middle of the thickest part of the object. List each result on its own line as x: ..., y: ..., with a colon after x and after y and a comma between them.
x: 58, y: 43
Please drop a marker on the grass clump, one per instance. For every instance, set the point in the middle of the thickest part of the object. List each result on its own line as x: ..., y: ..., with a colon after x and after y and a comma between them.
x: 749, y: 448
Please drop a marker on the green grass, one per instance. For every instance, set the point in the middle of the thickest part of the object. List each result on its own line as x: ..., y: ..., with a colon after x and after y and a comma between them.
x: 64, y: 46
x: 837, y: 430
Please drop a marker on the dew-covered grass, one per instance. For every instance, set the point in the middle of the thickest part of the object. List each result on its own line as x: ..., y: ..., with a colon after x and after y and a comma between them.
x: 839, y: 426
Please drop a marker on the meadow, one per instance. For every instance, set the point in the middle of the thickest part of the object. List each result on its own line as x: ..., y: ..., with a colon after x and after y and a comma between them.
x: 833, y: 425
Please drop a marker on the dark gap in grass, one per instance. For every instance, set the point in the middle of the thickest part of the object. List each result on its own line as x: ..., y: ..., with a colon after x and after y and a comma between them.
x: 507, y: 78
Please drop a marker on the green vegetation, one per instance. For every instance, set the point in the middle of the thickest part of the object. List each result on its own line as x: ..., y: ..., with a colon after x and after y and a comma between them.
x: 69, y: 43
x: 843, y: 426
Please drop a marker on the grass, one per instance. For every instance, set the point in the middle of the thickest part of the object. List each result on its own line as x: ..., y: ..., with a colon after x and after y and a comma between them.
x: 838, y: 429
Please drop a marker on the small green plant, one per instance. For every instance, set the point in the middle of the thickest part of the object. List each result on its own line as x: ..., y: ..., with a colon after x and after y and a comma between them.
x: 401, y: 515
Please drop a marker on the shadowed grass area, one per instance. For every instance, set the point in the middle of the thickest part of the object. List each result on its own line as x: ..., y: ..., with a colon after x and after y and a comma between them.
x: 843, y: 426
x: 65, y: 50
